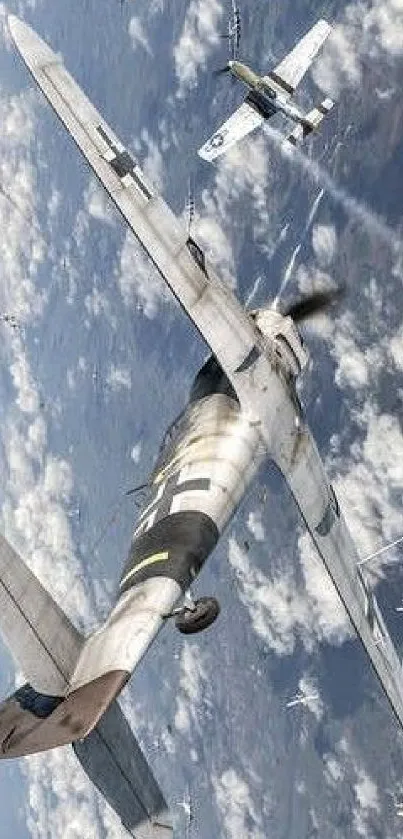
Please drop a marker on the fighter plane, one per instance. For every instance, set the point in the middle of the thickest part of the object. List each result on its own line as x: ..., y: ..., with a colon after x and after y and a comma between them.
x: 301, y: 698
x: 243, y: 410
x: 271, y: 94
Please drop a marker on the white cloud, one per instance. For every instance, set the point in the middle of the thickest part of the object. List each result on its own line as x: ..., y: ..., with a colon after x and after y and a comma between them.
x: 27, y: 393
x: 367, y: 803
x: 98, y: 204
x: 135, y: 453
x: 152, y: 161
x: 200, y: 34
x: 353, y: 367
x: 371, y: 478
x: 119, y: 378
x: 327, y: 611
x: 97, y: 303
x: 324, y: 242
x: 139, y: 282
x: 255, y: 526
x: 240, y: 816
x: 366, y: 31
x: 282, y: 610
x: 63, y: 802
x: 138, y: 35
x: 333, y: 770
x: 396, y: 348
x: 192, y: 694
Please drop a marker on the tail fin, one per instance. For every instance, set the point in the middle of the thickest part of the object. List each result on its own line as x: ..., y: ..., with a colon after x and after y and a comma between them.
x: 311, y: 123
x: 38, y: 633
x: 44, y: 713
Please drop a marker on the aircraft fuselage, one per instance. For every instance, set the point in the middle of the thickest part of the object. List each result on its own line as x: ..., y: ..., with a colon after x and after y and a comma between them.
x: 264, y: 97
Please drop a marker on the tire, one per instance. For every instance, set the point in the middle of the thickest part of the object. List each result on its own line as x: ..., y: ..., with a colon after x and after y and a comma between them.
x: 206, y: 612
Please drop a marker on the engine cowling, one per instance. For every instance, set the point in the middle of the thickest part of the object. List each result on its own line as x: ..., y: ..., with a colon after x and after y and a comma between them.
x: 281, y: 332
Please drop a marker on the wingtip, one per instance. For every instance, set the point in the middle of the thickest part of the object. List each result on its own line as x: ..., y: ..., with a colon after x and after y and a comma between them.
x: 325, y: 24
x: 13, y: 23
x: 35, y: 52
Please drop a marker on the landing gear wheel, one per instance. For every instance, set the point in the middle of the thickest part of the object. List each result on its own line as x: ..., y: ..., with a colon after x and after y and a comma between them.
x: 204, y: 613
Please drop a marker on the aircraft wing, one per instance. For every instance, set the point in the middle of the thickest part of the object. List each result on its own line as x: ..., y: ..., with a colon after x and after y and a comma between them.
x: 293, y: 67
x: 113, y: 760
x: 240, y: 123
x: 305, y: 475
x: 212, y: 307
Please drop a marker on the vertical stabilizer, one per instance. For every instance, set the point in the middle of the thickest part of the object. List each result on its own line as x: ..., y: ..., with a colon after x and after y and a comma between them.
x: 41, y: 638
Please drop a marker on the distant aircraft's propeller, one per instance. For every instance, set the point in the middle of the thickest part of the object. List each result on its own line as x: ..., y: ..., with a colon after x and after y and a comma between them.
x: 221, y: 70
x: 311, y: 305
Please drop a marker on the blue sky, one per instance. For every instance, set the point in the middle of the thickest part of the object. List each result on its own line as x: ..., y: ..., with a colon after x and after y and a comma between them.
x: 104, y: 359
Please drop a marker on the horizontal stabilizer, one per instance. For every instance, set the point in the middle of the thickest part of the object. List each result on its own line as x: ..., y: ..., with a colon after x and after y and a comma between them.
x: 33, y: 722
x: 39, y: 635
x: 311, y: 123
x: 113, y: 760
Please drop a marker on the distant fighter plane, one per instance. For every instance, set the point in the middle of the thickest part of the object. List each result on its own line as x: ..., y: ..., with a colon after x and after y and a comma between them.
x: 269, y: 95
x: 301, y: 698
x: 243, y: 410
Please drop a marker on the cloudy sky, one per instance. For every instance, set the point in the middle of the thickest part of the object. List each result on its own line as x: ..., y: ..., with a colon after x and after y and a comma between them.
x: 103, y: 359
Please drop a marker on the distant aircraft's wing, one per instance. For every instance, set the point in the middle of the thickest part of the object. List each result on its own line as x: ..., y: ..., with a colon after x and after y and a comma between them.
x: 293, y: 67
x: 317, y: 502
x: 217, y: 314
x: 239, y: 124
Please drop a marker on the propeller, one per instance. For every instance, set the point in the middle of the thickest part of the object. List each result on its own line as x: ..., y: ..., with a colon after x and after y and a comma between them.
x: 314, y: 303
x: 221, y: 70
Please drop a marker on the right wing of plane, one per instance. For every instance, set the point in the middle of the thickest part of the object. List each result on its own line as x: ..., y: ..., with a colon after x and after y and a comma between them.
x: 293, y: 67
x: 242, y: 122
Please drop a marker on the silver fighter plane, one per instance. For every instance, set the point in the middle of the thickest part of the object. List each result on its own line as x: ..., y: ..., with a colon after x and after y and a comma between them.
x: 271, y: 94
x: 301, y: 698
x: 243, y: 409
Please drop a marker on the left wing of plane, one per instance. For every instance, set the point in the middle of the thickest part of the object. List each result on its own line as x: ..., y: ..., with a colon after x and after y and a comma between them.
x: 293, y: 67
x: 214, y: 310
x: 305, y: 475
x: 240, y: 123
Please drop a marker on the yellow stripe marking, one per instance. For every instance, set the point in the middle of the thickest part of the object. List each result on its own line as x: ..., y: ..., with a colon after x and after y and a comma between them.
x: 149, y: 560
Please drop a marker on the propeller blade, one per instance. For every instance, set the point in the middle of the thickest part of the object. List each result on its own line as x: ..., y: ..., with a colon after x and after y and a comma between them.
x: 221, y: 70
x: 317, y: 302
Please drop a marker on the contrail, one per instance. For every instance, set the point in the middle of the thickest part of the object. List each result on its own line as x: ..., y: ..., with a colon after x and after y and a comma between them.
x: 290, y: 266
x: 252, y: 292
x: 369, y: 220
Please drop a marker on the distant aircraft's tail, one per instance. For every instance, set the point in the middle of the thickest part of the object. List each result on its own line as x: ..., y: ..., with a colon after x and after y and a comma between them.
x: 311, y: 122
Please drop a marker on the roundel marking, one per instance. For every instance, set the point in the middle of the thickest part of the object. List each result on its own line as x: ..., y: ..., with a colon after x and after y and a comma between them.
x: 216, y: 141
